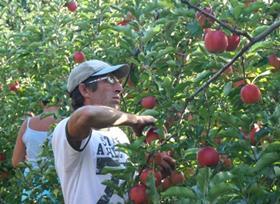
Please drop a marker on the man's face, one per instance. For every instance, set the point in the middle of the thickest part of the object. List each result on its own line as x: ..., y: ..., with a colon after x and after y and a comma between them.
x: 108, y: 92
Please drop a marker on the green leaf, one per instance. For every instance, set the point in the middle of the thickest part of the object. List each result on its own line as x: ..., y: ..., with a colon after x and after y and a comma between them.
x: 227, y: 88
x: 202, y: 179
x: 152, y: 191
x: 150, y: 112
x: 194, y: 28
x: 266, y: 160
x: 190, y: 152
x: 260, y: 29
x: 167, y: 4
x: 148, y: 35
x: 261, y: 45
x: 221, y: 177
x: 237, y: 11
x: 179, y: 192
x: 110, y: 169
x: 243, y: 169
x: 201, y: 76
x: 273, y: 147
x: 221, y: 189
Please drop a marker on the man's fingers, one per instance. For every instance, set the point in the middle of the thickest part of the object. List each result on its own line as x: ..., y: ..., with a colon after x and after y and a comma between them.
x: 170, y: 161
x: 166, y: 168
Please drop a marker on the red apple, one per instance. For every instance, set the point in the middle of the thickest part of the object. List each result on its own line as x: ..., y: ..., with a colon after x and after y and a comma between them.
x: 229, y: 71
x: 4, y: 175
x: 2, y: 156
x: 148, y: 102
x: 239, y: 83
x: 151, y: 136
x: 233, y: 42
x: 250, y: 94
x: 144, y: 175
x: 123, y: 22
x: 72, y: 6
x: 138, y: 194
x: 190, y: 117
x: 204, y: 21
x: 79, y: 57
x: 166, y: 183
x: 215, y: 41
x: 274, y: 61
x: 159, y: 157
x: 177, y: 177
x: 226, y: 161
x: 207, y: 156
x: 14, y: 86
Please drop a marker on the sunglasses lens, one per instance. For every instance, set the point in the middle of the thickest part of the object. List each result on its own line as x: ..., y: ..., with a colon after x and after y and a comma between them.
x: 111, y: 80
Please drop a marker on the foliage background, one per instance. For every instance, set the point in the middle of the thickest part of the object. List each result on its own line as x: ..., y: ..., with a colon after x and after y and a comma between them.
x: 163, y: 43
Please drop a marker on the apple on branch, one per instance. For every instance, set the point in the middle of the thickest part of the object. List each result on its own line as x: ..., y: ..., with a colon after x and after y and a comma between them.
x: 228, y: 71
x: 148, y: 102
x: 72, y: 6
x: 2, y: 156
x: 138, y: 194
x: 233, y: 42
x: 14, y: 86
x: 239, y: 83
x: 207, y: 156
x: 79, y: 57
x: 152, y: 135
x: 177, y: 177
x: 250, y: 94
x: 204, y: 21
x: 226, y: 161
x: 215, y: 41
x: 166, y: 183
x: 4, y: 175
x: 146, y: 172
x: 274, y: 61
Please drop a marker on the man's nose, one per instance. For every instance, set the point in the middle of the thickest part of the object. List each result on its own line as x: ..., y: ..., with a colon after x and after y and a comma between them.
x: 118, y: 87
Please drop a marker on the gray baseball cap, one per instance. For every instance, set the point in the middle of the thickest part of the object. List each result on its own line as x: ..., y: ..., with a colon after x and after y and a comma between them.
x: 94, y: 68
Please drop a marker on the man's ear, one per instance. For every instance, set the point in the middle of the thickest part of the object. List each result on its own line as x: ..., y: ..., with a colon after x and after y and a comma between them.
x: 84, y: 90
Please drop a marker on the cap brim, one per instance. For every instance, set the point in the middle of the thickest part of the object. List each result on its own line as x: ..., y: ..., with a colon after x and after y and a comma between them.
x: 120, y: 71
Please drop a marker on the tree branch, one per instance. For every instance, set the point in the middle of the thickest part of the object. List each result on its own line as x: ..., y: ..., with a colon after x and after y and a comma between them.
x: 254, y: 40
x: 225, y: 25
x: 217, y: 74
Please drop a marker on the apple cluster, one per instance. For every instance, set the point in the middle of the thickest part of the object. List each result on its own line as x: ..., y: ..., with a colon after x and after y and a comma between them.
x: 216, y: 41
x: 156, y: 164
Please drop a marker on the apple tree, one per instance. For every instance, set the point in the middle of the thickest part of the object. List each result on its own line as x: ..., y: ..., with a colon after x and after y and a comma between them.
x: 208, y: 71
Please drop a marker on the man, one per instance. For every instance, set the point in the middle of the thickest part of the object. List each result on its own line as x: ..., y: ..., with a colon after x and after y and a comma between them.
x: 85, y: 142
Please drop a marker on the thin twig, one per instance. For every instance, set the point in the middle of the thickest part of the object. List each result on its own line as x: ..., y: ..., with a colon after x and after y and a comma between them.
x: 225, y: 25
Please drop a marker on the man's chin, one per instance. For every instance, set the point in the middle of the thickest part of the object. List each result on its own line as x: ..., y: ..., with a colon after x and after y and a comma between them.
x: 115, y: 106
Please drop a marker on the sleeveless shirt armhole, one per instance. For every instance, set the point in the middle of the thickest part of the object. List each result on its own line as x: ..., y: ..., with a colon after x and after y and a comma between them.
x: 27, y: 122
x: 68, y: 140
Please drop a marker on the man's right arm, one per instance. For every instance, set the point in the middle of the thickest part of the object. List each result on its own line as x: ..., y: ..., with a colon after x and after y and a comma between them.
x: 92, y: 116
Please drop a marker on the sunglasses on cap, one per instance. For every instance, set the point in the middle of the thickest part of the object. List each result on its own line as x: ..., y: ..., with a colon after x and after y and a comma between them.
x: 109, y: 79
